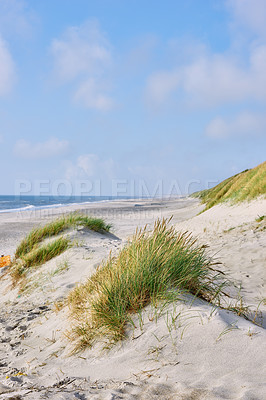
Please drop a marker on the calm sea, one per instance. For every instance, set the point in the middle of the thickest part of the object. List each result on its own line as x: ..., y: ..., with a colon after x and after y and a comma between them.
x: 18, y: 203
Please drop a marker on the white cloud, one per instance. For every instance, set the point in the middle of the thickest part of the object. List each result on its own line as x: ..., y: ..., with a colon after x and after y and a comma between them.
x: 211, y: 80
x: 88, y: 163
x: 7, y: 69
x: 82, y: 50
x: 244, y: 124
x: 90, y: 166
x: 16, y: 17
x: 82, y: 56
x: 51, y: 148
x: 249, y: 14
x: 90, y: 94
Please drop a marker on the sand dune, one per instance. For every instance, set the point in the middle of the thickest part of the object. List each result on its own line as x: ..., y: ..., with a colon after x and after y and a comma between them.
x: 191, y: 350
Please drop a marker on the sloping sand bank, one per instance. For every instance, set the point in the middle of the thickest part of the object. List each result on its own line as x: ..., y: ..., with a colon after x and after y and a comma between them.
x: 188, y: 350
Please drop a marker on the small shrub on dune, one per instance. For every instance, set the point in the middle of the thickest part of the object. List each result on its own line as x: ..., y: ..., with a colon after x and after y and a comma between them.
x: 149, y: 268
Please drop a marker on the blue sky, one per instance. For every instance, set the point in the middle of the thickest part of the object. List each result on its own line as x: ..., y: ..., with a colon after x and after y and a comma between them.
x: 128, y: 96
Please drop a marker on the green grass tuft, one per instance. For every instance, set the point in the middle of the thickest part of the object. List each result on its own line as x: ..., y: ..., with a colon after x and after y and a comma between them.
x: 31, y: 253
x: 38, y: 256
x: 153, y: 266
x: 55, y: 227
x: 247, y: 185
x: 261, y: 218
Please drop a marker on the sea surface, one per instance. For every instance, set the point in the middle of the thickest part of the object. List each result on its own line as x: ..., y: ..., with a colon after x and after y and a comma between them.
x: 20, y: 203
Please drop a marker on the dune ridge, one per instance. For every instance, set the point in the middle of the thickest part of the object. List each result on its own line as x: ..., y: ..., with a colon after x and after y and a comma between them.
x: 246, y: 185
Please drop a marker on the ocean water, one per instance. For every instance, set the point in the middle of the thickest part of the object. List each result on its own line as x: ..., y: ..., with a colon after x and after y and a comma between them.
x: 20, y: 203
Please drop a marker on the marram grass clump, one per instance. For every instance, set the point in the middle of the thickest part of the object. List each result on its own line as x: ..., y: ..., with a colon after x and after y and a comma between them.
x: 58, y: 226
x: 38, y: 256
x: 247, y: 185
x: 152, y: 267
x: 32, y: 252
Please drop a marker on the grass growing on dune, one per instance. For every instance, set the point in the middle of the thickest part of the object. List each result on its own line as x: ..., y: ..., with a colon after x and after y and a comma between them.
x: 151, y: 267
x: 261, y: 218
x: 247, y: 185
x: 31, y: 252
x: 55, y: 227
x: 39, y: 256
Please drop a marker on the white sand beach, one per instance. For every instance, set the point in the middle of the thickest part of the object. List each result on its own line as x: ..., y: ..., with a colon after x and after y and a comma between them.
x: 191, y: 350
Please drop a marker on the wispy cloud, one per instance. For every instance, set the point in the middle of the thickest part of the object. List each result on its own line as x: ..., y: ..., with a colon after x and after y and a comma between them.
x: 50, y: 148
x: 244, y: 124
x: 212, y: 79
x: 81, y: 56
x: 249, y: 14
x: 90, y: 94
x: 7, y: 69
x: 17, y: 18
x: 90, y: 166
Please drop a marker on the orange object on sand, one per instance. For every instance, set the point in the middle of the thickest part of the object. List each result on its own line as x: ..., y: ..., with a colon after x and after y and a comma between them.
x: 5, y: 261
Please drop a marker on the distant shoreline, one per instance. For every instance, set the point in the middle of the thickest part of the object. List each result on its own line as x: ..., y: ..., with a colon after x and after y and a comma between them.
x: 16, y: 224
x: 64, y: 201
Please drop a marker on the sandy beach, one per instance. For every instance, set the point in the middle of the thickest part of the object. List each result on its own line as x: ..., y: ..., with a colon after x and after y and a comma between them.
x: 192, y: 350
